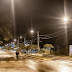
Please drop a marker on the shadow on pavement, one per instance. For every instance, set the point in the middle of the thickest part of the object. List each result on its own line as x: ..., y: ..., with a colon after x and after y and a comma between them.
x: 7, y: 59
x: 44, y: 68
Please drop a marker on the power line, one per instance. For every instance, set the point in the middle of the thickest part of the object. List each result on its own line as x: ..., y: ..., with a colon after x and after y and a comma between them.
x: 56, y: 35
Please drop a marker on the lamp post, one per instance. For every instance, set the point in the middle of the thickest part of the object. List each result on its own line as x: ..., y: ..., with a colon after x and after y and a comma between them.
x: 14, y: 40
x: 13, y: 17
x: 24, y: 39
x: 65, y: 21
x: 37, y: 38
x: 32, y: 31
x: 18, y: 40
x: 20, y: 37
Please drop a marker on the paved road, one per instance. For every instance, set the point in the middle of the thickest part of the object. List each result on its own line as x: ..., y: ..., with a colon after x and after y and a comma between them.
x: 4, y: 54
x: 34, y: 65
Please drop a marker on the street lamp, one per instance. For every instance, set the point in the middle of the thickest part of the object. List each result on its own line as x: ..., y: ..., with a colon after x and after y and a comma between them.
x: 20, y: 36
x: 14, y: 40
x: 18, y: 39
x: 32, y: 31
x: 13, y: 17
x: 65, y: 19
x: 38, y: 40
x: 24, y: 39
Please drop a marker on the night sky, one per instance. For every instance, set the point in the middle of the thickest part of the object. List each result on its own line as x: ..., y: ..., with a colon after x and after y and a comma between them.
x: 38, y: 14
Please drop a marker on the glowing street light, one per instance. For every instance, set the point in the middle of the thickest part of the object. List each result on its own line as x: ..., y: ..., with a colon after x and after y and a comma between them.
x: 38, y: 40
x: 7, y: 44
x: 20, y: 36
x: 65, y: 19
x: 32, y: 31
x: 15, y: 40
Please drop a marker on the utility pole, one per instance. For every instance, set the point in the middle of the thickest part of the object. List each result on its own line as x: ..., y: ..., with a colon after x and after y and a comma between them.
x: 31, y: 42
x: 18, y: 41
x: 38, y: 40
x: 24, y: 39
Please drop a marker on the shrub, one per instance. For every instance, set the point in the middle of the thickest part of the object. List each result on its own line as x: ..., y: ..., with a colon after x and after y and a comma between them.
x: 62, y: 51
x: 22, y: 46
x: 8, y: 48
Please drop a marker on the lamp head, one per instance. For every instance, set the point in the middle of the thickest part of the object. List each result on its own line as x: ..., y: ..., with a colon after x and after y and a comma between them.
x: 65, y: 19
x: 32, y: 31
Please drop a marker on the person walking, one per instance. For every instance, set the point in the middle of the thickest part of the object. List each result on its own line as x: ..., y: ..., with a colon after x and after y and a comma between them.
x: 17, y: 53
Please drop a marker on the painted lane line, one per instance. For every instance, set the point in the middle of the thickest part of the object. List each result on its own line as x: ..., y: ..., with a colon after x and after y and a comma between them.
x: 3, y: 61
x: 20, y: 61
x: 11, y: 61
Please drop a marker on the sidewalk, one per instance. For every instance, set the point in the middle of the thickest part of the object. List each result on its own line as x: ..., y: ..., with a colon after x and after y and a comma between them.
x: 36, y: 54
x: 51, y: 57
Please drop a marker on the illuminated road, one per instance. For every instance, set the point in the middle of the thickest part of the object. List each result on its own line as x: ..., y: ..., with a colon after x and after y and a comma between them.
x: 35, y: 65
x: 5, y: 54
x: 51, y: 66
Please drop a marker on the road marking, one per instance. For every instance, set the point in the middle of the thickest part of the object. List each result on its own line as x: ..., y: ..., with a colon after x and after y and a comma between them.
x: 20, y: 61
x: 32, y: 67
x: 3, y: 61
x: 11, y: 61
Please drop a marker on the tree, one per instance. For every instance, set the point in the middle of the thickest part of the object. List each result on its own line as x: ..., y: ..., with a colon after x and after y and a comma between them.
x: 63, y: 51
x: 29, y: 47
x: 22, y: 46
x: 35, y: 46
x: 48, y: 46
x: 5, y: 27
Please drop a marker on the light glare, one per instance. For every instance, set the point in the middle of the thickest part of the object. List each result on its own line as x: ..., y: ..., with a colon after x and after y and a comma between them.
x: 65, y: 19
x: 15, y: 40
x: 32, y: 31
x: 20, y: 36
